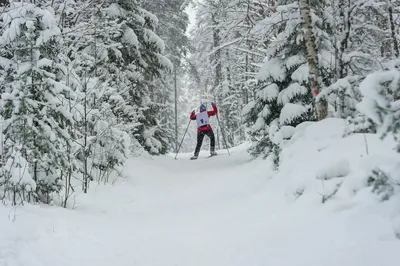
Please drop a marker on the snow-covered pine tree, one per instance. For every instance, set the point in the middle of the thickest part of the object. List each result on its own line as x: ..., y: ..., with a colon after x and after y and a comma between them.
x: 126, y: 54
x: 32, y: 101
x: 153, y: 137
x: 283, y: 98
x: 171, y: 28
x: 103, y: 117
x: 102, y: 143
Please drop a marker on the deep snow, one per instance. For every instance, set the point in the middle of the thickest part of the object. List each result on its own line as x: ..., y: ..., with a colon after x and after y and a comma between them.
x: 222, y: 211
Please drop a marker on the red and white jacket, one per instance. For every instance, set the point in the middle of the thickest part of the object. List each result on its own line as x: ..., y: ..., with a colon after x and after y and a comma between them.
x: 210, y: 113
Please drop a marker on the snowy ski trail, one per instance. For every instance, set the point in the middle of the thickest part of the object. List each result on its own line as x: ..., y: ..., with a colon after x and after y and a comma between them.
x: 223, y: 211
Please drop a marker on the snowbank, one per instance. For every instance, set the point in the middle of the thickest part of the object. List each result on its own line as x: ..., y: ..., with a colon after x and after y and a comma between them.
x: 322, y: 164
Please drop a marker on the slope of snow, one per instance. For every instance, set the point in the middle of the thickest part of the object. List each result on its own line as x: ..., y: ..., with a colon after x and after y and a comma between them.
x: 223, y: 211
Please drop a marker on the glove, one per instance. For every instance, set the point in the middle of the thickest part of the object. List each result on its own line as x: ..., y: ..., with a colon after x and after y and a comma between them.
x: 213, y: 104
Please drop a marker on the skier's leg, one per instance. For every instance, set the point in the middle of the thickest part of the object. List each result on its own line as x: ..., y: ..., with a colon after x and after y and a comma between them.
x: 200, y: 137
x: 211, y: 135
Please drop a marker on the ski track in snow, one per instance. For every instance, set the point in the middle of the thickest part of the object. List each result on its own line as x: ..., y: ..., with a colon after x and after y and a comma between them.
x: 221, y: 211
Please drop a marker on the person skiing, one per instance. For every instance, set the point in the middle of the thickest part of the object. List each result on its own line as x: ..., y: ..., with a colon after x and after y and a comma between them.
x: 204, y: 128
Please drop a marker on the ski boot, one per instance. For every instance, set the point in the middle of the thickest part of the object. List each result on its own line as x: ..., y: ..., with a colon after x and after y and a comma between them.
x: 194, y: 157
x: 213, y: 153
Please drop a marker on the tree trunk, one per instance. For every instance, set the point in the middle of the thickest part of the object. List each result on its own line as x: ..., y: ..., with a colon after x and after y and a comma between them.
x: 217, y: 61
x: 245, y: 88
x: 217, y: 55
x: 176, y: 109
x: 247, y: 61
x: 85, y: 142
x: 393, y: 31
x: 321, y: 107
x: 68, y: 176
x: 344, y: 33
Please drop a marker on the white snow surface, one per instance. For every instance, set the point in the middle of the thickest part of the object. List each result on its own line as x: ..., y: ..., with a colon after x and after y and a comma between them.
x: 223, y: 211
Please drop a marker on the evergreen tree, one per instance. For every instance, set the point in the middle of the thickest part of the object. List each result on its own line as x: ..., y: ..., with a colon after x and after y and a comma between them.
x: 171, y: 28
x: 283, y: 98
x: 33, y: 97
x: 122, y: 50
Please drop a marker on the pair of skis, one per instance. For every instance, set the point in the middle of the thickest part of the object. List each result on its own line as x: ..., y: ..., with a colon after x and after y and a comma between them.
x: 204, y: 158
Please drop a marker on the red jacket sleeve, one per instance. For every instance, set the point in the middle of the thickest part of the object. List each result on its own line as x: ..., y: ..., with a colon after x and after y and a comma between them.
x: 192, y: 116
x: 213, y: 112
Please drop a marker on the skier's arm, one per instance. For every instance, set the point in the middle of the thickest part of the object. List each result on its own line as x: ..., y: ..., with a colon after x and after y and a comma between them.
x: 193, y: 116
x: 214, y: 111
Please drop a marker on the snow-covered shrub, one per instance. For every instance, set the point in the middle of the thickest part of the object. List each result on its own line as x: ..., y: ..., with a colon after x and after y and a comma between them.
x: 102, y: 141
x: 381, y: 101
x: 16, y: 183
x: 381, y: 104
x: 343, y: 95
x: 109, y: 150
x: 360, y: 124
x: 153, y: 137
x: 321, y: 163
x: 382, y: 184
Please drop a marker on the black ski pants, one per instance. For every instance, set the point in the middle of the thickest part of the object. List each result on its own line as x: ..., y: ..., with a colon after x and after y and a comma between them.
x: 200, y: 137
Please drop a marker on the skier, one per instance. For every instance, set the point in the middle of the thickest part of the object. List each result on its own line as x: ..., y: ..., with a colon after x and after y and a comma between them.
x: 204, y: 128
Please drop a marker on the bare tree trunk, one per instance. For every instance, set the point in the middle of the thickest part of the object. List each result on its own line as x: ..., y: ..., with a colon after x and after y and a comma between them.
x: 321, y: 107
x: 68, y: 176
x: 176, y: 110
x: 247, y: 61
x: 217, y: 60
x: 245, y: 89
x: 217, y: 55
x: 85, y: 142
x: 392, y: 29
x: 344, y: 33
x: 229, y: 121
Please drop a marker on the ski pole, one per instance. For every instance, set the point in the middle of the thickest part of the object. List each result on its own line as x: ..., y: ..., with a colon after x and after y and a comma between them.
x: 223, y: 135
x: 183, y: 138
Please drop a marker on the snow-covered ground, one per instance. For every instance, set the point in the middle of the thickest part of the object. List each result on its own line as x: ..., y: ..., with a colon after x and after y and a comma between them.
x: 223, y: 211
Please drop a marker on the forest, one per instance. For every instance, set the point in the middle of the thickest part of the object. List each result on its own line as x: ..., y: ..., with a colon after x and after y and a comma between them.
x: 87, y: 84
